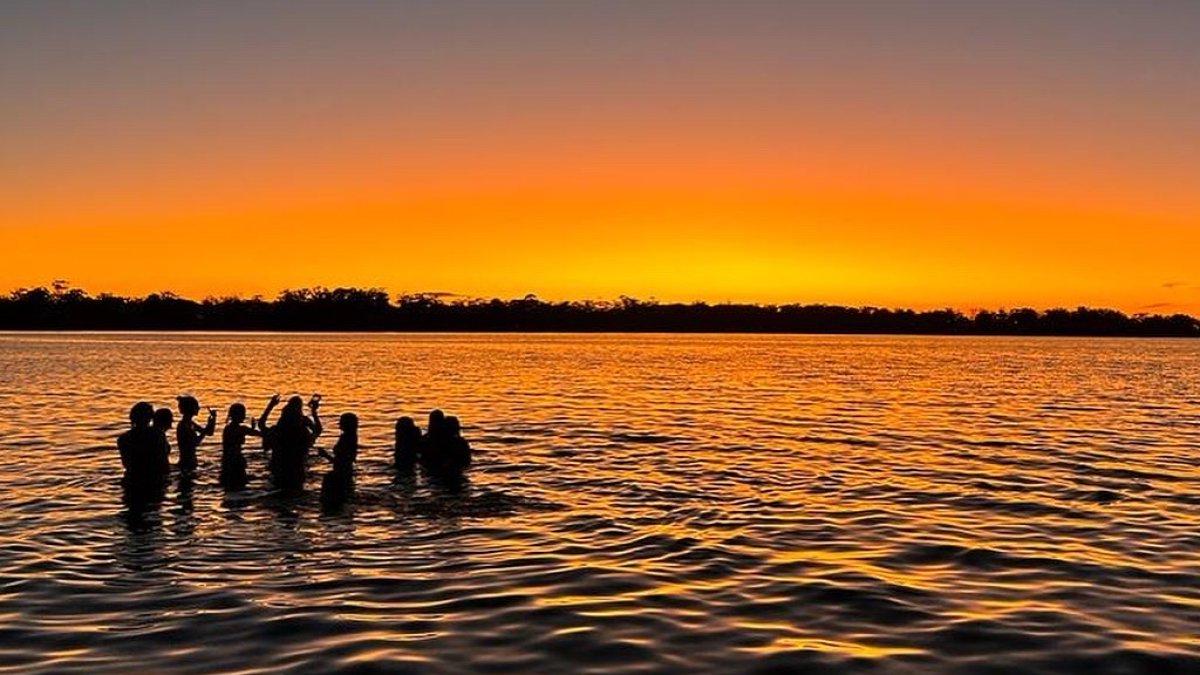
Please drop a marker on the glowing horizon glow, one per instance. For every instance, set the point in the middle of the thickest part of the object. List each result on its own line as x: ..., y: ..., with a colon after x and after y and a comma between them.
x: 895, y: 154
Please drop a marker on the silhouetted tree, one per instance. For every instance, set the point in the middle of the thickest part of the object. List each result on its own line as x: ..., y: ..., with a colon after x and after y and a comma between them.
x: 370, y: 309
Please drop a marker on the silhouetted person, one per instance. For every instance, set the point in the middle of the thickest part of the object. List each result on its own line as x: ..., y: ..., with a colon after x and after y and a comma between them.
x: 408, y: 441
x: 436, y: 419
x: 290, y: 440
x: 443, y: 450
x: 264, y: 428
x: 164, y: 422
x: 142, y: 448
x: 188, y: 434
x: 457, y: 453
x: 233, y: 438
x: 131, y: 442
x: 448, y: 454
x: 338, y: 484
x: 429, y: 449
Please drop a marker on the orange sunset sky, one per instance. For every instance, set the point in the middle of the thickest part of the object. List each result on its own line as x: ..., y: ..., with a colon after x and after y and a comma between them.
x: 922, y: 154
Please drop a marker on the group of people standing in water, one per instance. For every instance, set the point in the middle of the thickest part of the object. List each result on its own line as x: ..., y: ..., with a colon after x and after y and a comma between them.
x: 145, y: 448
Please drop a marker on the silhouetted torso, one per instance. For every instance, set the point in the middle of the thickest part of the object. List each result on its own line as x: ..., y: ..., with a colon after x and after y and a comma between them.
x: 429, y: 451
x: 290, y: 440
x: 345, y: 453
x: 458, y: 455
x: 408, y: 441
x: 444, y: 454
x: 233, y: 462
x: 144, y: 456
x: 166, y: 447
x: 188, y: 435
x: 338, y: 484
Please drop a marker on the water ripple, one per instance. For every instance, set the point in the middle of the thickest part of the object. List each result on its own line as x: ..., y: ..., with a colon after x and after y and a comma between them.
x: 640, y: 504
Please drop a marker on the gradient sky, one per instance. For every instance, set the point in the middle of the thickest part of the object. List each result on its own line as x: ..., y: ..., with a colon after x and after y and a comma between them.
x: 928, y: 154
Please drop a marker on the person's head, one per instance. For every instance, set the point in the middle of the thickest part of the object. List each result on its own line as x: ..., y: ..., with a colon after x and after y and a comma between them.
x: 453, y: 427
x: 163, y: 419
x: 237, y: 413
x: 141, y: 414
x: 436, y: 419
x: 405, y: 424
x: 348, y: 422
x: 293, y: 409
x: 188, y: 406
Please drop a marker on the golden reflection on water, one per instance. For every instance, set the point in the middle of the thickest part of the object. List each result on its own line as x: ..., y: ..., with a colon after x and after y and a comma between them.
x: 661, y: 502
x: 786, y: 644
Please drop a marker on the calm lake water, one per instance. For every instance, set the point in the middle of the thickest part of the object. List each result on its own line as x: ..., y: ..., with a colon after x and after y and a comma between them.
x: 639, y: 503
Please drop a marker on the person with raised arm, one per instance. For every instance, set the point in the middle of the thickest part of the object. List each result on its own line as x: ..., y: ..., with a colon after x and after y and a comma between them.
x: 233, y: 437
x: 189, y: 434
x: 290, y: 440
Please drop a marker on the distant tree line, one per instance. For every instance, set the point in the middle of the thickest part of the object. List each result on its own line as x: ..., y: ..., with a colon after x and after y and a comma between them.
x: 372, y: 309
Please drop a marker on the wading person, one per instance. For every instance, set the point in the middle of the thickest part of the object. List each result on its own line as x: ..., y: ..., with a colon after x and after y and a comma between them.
x: 290, y: 440
x: 188, y: 434
x: 456, y: 456
x: 338, y: 484
x: 164, y: 422
x: 443, y: 452
x: 233, y: 438
x: 408, y: 440
x: 143, y: 452
x: 429, y: 450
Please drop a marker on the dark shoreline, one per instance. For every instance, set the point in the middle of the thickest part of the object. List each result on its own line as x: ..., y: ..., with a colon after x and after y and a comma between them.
x: 382, y: 332
x: 352, y: 310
